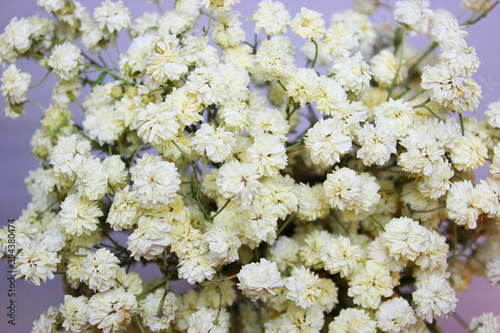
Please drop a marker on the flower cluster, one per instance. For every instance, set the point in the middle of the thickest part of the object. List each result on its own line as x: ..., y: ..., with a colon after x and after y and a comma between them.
x: 338, y: 196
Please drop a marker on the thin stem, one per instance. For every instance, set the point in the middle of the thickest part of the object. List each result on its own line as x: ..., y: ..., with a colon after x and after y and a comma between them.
x: 110, y: 58
x: 220, y: 210
x: 41, y: 81
x: 230, y: 277
x: 339, y: 222
x: 107, y: 71
x: 281, y: 84
x: 400, y: 65
x: 315, y: 53
x: 287, y: 221
x: 429, y: 210
x: 136, y: 152
x: 461, y: 123
x: 209, y: 22
x: 377, y: 222
x: 194, y: 201
x: 139, y: 324
x: 421, y: 105
x: 473, y: 20
x: 460, y: 320
x: 147, y: 292
x: 36, y: 103
x: 159, y: 7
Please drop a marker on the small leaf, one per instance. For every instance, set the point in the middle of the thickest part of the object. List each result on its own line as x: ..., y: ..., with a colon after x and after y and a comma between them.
x: 101, y: 78
x: 51, y: 133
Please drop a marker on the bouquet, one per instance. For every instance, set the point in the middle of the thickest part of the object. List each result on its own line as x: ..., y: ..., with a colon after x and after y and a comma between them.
x: 331, y: 196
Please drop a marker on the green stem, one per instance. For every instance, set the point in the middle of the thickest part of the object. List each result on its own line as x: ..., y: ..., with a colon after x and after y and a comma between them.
x: 400, y: 65
x: 461, y: 123
x: 209, y: 22
x: 220, y: 210
x: 41, y: 81
x: 315, y: 54
x: 287, y: 221
x: 118, y: 77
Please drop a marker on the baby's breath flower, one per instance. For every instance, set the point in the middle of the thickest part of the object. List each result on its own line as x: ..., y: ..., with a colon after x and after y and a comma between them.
x: 64, y: 60
x: 257, y: 280
x: 308, y: 24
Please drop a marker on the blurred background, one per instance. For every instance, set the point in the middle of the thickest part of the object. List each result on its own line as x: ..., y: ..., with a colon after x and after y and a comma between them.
x: 16, y: 160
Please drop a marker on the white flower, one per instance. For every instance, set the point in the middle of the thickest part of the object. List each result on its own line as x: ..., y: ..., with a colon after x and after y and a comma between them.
x: 438, y: 182
x: 258, y: 224
x: 492, y: 114
x: 100, y: 270
x: 312, y: 202
x: 353, y: 73
x: 156, y: 181
x: 352, y: 320
x: 105, y: 125
x: 434, y: 297
x: 267, y: 154
x: 384, y: 66
x: 308, y: 24
x: 35, y: 263
x: 395, y: 315
x: 272, y: 17
x: 461, y: 204
x: 223, y: 244
x: 436, y: 250
x: 303, y: 287
x: 279, y: 196
x: 469, y: 153
x: 64, y: 60
x: 343, y: 189
x: 448, y: 87
x: 150, y: 238
x: 404, y: 238
x: 17, y: 35
x: 91, y: 179
x: 15, y: 85
x: 346, y: 190
x: 111, y: 310
x: 339, y: 255
x: 220, y: 5
x: 369, y: 284
x: 74, y: 311
x: 284, y: 253
x: 204, y: 321
x: 377, y: 144
x: 327, y: 142
x: 216, y: 143
x: 493, y: 270
x: 414, y: 14
x: 340, y: 39
x: 195, y: 266
x: 302, y: 84
x: 155, y: 317
x: 423, y: 152
x: 79, y: 215
x: 227, y: 31
x: 157, y: 123
x: 209, y: 85
x: 485, y: 323
x: 239, y: 182
x: 112, y: 16
x: 397, y: 115
x: 165, y: 61
x: 51, y: 5
x: 257, y: 280
x: 297, y: 319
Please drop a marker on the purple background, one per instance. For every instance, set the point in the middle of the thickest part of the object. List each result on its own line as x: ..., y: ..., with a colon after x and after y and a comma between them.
x: 16, y: 160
